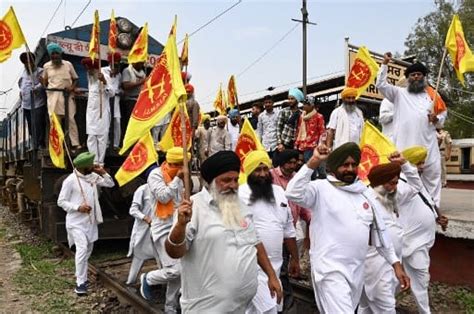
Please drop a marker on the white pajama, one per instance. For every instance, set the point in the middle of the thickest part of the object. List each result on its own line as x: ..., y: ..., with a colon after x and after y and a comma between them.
x: 97, y: 144
x: 117, y: 131
x: 83, y: 252
x: 417, y: 268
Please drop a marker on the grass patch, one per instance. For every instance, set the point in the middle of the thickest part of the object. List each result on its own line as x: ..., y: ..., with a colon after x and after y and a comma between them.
x: 466, y: 298
x: 46, y: 279
x: 3, y: 232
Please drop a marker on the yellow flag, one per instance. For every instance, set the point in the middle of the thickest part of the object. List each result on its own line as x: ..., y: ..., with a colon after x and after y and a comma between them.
x: 232, y: 99
x: 56, y: 142
x: 247, y: 142
x: 94, y: 44
x: 141, y: 156
x: 219, y: 103
x: 11, y: 35
x: 184, y: 52
x: 375, y: 149
x: 173, y: 135
x: 456, y: 44
x: 113, y: 33
x: 363, y: 72
x: 159, y: 95
x: 139, y: 51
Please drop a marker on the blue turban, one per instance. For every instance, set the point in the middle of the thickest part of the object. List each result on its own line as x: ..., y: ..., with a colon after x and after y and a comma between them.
x: 54, y: 47
x: 295, y: 92
x: 233, y: 113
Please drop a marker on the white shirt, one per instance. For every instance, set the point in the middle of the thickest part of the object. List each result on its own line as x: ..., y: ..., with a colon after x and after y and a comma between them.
x: 267, y: 129
x: 386, y: 118
x: 219, y: 270
x: 70, y: 199
x: 234, y: 131
x: 339, y: 230
x: 273, y: 223
x: 95, y: 125
x: 163, y: 193
x: 410, y: 117
x: 337, y: 122
x: 114, y: 83
x: 140, y: 240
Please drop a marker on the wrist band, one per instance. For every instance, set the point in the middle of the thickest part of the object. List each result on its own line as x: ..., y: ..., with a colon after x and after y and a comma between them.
x: 176, y: 244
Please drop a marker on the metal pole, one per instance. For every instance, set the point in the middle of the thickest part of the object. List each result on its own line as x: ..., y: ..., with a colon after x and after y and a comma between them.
x: 305, y: 21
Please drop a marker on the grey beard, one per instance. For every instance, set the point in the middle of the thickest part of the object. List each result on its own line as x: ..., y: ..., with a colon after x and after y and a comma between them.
x: 416, y: 87
x: 349, y: 108
x: 387, y: 199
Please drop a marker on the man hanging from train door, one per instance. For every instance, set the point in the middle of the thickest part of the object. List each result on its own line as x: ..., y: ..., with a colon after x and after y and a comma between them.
x: 98, y: 110
x: 79, y: 198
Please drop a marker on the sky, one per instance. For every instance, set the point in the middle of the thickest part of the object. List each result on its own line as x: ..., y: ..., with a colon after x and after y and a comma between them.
x: 235, y: 40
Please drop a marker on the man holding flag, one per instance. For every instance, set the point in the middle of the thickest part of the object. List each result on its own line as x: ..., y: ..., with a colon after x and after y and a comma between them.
x: 166, y: 187
x: 416, y: 118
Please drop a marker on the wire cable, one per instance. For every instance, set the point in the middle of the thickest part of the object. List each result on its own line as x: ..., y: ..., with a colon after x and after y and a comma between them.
x: 212, y: 20
x: 51, y: 19
x: 82, y: 12
x: 268, y: 51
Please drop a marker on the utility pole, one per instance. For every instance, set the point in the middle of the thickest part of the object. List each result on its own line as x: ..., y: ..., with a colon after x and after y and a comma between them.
x: 304, y: 21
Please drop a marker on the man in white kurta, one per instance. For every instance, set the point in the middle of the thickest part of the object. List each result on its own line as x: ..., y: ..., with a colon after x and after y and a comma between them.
x: 97, y: 115
x: 166, y: 187
x: 114, y: 80
x: 344, y: 215
x: 413, y: 120
x: 418, y: 218
x: 141, y: 246
x: 233, y: 126
x: 83, y: 212
x: 273, y: 224
x: 380, y: 282
x: 346, y: 121
x: 214, y: 236
x: 386, y: 118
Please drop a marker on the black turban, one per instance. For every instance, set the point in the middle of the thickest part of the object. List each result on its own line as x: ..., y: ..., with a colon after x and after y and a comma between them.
x: 286, y: 155
x: 24, y: 57
x: 416, y: 67
x: 383, y: 173
x: 340, y: 154
x: 219, y: 163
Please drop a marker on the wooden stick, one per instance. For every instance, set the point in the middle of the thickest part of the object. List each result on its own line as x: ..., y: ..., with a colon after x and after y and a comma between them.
x: 445, y: 51
x: 187, y: 184
x: 77, y: 177
x: 101, y: 85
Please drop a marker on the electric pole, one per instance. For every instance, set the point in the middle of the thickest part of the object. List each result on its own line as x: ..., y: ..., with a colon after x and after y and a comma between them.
x: 304, y: 21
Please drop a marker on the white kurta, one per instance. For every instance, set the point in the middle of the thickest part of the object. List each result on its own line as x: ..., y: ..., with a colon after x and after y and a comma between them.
x: 380, y: 280
x: 347, y: 125
x: 273, y: 224
x: 339, y: 233
x: 219, y: 270
x: 411, y: 127
x: 386, y: 118
x: 234, y: 131
x: 114, y: 83
x: 141, y: 245
x: 70, y: 198
x: 94, y: 124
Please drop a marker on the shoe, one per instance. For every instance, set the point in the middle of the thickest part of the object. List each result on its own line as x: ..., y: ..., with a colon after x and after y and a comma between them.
x: 81, y: 289
x: 145, y: 289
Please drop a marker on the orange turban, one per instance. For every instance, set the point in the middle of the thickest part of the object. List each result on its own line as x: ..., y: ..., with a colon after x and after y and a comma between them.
x: 349, y: 92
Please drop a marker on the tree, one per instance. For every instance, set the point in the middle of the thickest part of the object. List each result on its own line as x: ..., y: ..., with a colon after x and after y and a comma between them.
x: 426, y: 41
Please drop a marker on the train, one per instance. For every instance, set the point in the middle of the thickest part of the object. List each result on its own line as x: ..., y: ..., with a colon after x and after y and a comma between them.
x: 30, y: 182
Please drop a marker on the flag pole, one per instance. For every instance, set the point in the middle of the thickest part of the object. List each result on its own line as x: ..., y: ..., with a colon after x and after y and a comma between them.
x: 74, y: 169
x: 187, y: 185
x: 101, y: 84
x: 29, y: 61
x: 445, y: 51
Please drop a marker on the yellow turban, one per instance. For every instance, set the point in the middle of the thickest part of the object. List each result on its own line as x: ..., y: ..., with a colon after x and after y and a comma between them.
x: 349, y: 92
x: 254, y: 159
x: 415, y: 154
x: 205, y: 117
x: 175, y: 155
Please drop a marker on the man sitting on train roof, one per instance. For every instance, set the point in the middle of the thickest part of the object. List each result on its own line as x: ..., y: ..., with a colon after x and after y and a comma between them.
x: 33, y: 99
x: 79, y: 198
x: 98, y: 110
x: 60, y: 79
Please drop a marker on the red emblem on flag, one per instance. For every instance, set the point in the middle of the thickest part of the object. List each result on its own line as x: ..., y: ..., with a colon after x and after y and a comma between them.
x: 368, y: 159
x: 6, y: 37
x: 54, y: 140
x: 176, y: 132
x: 155, y: 92
x: 460, y: 51
x: 245, y: 145
x: 360, y: 74
x: 137, y: 158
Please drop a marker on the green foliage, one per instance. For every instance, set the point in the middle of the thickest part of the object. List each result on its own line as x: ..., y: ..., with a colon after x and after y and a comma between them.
x: 426, y: 41
x: 466, y: 298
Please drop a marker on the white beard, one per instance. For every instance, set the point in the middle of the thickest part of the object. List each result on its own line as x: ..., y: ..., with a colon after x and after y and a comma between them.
x: 387, y: 199
x: 229, y: 205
